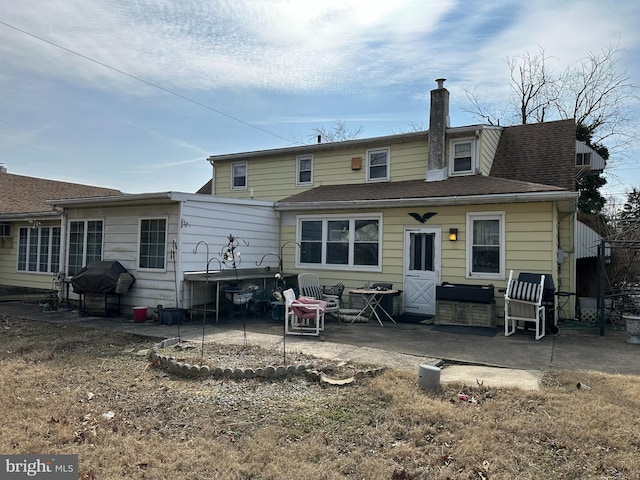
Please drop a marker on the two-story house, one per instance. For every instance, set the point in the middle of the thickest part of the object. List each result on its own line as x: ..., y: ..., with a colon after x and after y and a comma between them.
x: 462, y: 205
x: 452, y: 204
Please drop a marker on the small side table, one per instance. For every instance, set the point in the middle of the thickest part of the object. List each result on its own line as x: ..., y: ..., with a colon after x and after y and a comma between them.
x: 562, y: 303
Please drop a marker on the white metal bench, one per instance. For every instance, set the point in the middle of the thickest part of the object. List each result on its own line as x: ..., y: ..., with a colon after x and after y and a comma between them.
x: 523, y: 303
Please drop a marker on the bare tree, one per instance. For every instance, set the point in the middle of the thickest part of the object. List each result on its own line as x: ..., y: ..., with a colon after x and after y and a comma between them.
x: 337, y: 133
x: 535, y: 89
x: 593, y: 91
x: 598, y: 96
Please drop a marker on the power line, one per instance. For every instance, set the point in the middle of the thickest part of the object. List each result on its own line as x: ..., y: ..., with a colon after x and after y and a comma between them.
x: 151, y: 84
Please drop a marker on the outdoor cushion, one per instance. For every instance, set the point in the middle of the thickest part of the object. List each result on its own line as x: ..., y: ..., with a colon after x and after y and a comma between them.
x: 524, y: 291
x: 308, y: 312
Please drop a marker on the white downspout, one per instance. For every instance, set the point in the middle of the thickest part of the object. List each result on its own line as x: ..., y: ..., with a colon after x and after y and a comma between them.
x: 213, y: 177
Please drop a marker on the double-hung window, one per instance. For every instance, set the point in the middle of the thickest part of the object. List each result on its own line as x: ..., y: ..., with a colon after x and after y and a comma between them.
x: 462, y: 156
x: 378, y: 165
x: 153, y: 243
x: 304, y: 170
x: 485, y: 245
x: 340, y: 242
x: 239, y: 176
x: 85, y: 244
x: 39, y: 249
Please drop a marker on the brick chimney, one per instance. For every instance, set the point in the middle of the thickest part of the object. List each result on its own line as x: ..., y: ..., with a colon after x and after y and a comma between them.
x: 438, y: 123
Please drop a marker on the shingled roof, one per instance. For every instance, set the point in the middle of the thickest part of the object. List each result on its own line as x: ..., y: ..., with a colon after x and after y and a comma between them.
x: 463, y: 186
x: 538, y: 152
x: 29, y: 195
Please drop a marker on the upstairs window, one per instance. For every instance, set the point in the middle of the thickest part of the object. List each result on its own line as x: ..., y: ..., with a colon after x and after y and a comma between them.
x: 153, y: 241
x: 462, y: 157
x: 239, y: 176
x: 583, y: 159
x: 304, y: 170
x: 378, y: 161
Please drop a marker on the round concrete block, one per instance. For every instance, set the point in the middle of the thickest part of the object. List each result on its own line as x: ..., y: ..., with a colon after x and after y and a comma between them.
x: 428, y: 377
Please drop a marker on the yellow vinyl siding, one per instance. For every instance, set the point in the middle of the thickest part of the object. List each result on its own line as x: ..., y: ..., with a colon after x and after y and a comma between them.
x: 529, y: 230
x: 9, y: 274
x: 274, y: 178
x: 488, y: 146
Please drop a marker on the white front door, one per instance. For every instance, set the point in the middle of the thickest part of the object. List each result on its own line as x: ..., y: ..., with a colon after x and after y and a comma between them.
x: 421, y: 269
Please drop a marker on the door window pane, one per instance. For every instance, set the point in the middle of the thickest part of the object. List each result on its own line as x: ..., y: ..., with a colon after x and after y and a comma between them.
x: 421, y: 251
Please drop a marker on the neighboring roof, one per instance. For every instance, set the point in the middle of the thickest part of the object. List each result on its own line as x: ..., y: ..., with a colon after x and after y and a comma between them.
x: 452, y: 190
x: 538, y: 152
x: 28, y: 195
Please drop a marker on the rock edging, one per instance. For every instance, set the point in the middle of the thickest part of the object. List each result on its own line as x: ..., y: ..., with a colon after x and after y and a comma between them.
x: 172, y: 365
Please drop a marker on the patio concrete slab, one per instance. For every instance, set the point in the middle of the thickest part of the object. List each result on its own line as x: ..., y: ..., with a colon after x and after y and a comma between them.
x: 474, y: 375
x: 516, y: 361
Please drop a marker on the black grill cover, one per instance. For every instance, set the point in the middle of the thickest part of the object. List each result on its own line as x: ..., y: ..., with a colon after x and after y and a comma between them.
x: 102, y: 277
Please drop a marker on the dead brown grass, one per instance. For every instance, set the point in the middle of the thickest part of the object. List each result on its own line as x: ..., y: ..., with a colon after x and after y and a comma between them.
x: 69, y: 390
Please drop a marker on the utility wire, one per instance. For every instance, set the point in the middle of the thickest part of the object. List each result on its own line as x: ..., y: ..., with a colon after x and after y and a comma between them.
x: 151, y: 84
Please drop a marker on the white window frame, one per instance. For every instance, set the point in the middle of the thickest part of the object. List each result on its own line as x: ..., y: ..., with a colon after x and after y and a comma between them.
x: 350, y: 265
x: 452, y: 157
x: 85, y: 234
x: 233, y: 176
x: 500, y: 217
x: 372, y: 152
x: 166, y: 235
x: 50, y: 253
x: 299, y: 170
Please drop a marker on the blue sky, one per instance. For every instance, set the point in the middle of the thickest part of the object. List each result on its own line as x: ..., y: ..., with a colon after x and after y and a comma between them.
x: 156, y: 86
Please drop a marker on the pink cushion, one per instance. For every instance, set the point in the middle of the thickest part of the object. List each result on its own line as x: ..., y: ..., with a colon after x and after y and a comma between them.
x: 305, y: 312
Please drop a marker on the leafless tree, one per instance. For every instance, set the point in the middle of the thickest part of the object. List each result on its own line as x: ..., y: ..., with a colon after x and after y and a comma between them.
x: 337, y: 133
x: 593, y: 90
x: 535, y: 89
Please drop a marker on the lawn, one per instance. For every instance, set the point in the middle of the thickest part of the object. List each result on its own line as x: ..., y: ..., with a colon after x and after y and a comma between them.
x: 70, y: 390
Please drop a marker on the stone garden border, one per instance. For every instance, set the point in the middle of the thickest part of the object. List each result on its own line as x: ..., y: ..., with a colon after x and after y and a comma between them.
x: 172, y: 365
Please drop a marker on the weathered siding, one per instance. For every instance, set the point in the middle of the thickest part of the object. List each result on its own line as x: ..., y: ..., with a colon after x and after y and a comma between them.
x: 209, y: 219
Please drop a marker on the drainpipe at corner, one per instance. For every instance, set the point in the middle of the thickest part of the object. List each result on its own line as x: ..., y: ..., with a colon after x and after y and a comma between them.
x: 213, y: 176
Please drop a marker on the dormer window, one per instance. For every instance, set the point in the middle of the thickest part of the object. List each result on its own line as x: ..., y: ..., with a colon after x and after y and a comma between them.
x: 583, y: 159
x: 462, y: 157
x: 378, y: 161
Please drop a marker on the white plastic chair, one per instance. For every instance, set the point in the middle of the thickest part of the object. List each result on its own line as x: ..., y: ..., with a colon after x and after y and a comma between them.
x: 523, y: 303
x: 302, y: 317
x: 309, y: 285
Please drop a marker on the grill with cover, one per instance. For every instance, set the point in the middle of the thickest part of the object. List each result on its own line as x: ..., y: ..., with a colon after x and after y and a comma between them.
x: 99, y: 281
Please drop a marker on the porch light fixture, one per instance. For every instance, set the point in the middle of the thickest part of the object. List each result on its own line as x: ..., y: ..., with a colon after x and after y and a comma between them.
x: 453, y: 234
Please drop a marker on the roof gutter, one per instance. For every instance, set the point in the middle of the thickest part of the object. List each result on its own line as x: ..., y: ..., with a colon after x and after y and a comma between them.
x: 569, y: 198
x: 151, y: 198
x: 5, y: 217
